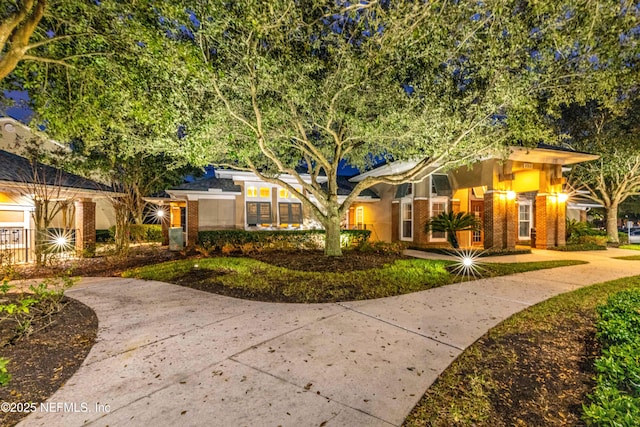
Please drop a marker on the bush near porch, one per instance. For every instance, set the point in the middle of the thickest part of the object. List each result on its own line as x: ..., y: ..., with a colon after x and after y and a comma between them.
x: 235, y: 241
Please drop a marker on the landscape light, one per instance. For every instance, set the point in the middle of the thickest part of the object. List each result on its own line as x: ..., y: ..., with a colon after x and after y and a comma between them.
x: 467, y: 264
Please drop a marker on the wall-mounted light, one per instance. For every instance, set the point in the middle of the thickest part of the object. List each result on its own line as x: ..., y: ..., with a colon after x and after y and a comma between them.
x: 562, y: 197
x: 511, y: 195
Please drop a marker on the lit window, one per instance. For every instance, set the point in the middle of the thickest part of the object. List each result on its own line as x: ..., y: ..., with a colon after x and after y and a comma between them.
x: 283, y: 193
x: 360, y: 217
x: 524, y: 220
x: 252, y: 191
x: 264, y: 192
x: 438, y: 208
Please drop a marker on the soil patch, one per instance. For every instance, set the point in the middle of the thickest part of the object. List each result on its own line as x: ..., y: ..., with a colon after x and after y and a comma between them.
x: 43, y: 361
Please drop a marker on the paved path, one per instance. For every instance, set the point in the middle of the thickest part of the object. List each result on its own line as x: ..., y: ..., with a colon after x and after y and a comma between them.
x: 168, y: 355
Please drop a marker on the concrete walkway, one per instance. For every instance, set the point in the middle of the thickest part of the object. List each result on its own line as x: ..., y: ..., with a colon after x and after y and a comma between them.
x: 168, y: 355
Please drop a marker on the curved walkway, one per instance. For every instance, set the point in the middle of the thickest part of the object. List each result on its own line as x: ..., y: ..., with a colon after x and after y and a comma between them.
x: 169, y: 355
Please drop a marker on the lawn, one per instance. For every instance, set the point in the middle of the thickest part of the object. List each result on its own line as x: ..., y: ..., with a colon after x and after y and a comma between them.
x: 253, y: 279
x: 535, y: 368
x: 634, y: 247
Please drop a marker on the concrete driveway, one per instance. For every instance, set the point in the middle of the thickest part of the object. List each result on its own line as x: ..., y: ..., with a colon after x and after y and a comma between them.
x: 169, y: 355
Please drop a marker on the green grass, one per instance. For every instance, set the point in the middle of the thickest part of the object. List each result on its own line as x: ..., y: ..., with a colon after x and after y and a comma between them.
x: 629, y: 258
x: 257, y: 280
x: 462, y: 394
x: 634, y: 247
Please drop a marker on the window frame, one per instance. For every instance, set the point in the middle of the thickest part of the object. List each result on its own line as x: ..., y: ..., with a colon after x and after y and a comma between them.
x: 290, y: 218
x: 258, y: 213
x: 528, y: 204
x: 445, y: 202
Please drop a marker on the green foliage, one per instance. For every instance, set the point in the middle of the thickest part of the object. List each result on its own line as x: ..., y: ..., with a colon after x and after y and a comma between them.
x: 235, y: 240
x: 23, y: 311
x: 616, y: 399
x: 454, y: 399
x: 138, y: 233
x: 612, y: 133
x: 623, y: 238
x: 248, y: 278
x: 380, y: 247
x: 451, y: 223
x: 257, y: 280
x: 5, y: 376
x: 103, y: 236
x: 587, y: 246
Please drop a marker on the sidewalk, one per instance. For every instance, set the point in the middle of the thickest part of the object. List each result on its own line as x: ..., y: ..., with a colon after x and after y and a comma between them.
x: 169, y: 355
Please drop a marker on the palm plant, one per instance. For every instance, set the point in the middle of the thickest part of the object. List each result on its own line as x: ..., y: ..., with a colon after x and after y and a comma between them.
x: 451, y: 223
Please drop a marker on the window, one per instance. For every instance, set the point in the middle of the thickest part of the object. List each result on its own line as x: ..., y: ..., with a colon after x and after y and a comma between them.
x: 290, y: 213
x: 258, y: 213
x: 407, y: 221
x: 437, y: 208
x: 283, y: 193
x: 360, y: 217
x: 255, y: 191
x: 524, y: 220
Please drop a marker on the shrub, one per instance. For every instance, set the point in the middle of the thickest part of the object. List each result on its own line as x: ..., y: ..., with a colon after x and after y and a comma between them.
x: 579, y: 247
x: 138, y: 233
x: 103, y: 236
x: 379, y: 247
x: 229, y: 241
x: 5, y: 376
x: 616, y: 399
x: 623, y: 238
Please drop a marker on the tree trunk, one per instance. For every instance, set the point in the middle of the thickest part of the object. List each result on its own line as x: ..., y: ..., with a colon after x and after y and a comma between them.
x: 612, y: 223
x: 332, y: 245
x: 453, y: 239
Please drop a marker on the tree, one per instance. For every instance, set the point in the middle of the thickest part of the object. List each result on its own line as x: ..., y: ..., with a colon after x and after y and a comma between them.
x: 132, y: 177
x: 615, y: 136
x: 314, y: 83
x: 451, y: 223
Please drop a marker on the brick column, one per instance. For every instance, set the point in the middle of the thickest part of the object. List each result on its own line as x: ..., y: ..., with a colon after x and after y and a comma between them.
x: 165, y: 230
x: 550, y: 221
x: 420, y: 217
x: 85, y: 223
x: 192, y: 223
x: 499, y: 221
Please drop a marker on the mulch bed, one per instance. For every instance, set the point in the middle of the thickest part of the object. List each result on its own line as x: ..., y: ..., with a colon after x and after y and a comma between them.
x: 546, y: 386
x: 43, y: 361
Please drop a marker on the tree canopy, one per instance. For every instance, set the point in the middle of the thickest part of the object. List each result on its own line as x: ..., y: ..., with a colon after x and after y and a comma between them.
x: 615, y: 136
x: 310, y: 84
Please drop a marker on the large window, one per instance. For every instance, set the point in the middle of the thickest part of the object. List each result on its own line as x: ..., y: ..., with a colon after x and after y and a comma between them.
x: 360, y: 217
x: 258, y: 213
x: 437, y: 208
x: 290, y: 213
x: 524, y: 220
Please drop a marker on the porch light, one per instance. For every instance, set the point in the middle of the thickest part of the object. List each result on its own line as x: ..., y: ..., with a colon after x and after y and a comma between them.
x: 61, y: 240
x: 511, y: 195
x: 563, y: 197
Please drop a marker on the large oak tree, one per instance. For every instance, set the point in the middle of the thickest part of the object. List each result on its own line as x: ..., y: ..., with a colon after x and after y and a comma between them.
x: 312, y: 84
x: 615, y: 135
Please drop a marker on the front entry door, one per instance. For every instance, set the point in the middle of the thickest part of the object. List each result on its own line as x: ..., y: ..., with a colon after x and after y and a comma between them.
x: 477, y: 209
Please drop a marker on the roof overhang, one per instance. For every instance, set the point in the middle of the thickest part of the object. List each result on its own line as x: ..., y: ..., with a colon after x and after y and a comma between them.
x: 12, y: 130
x: 238, y: 176
x: 549, y: 156
x: 211, y: 194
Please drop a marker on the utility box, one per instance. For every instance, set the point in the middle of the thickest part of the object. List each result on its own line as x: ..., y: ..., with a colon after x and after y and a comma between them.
x: 176, y: 239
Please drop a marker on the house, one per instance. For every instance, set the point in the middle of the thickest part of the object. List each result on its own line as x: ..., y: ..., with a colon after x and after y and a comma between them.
x: 84, y: 200
x: 519, y: 200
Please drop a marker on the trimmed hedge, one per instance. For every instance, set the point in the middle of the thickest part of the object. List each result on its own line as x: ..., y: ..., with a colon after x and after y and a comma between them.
x: 580, y: 247
x: 243, y: 240
x: 140, y: 233
x: 616, y: 399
